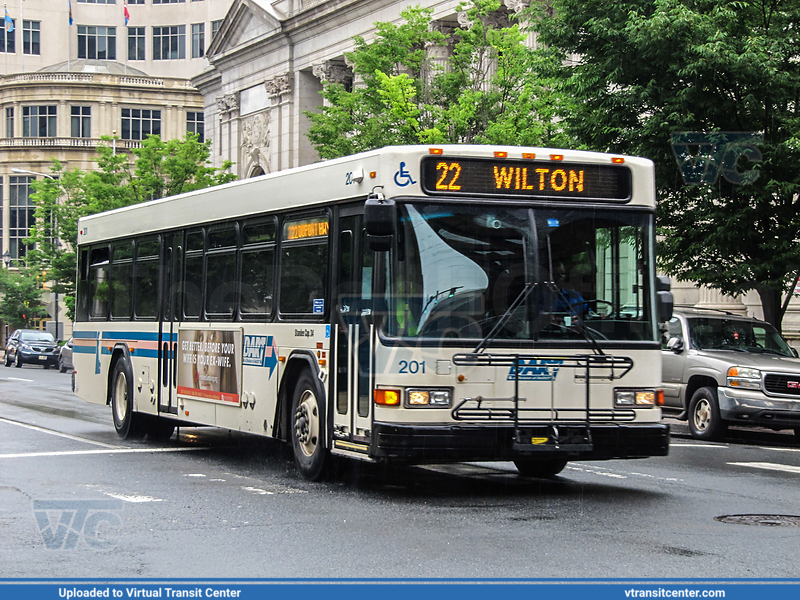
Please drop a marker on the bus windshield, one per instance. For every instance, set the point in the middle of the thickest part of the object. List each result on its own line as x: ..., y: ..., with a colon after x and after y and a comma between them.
x: 550, y: 274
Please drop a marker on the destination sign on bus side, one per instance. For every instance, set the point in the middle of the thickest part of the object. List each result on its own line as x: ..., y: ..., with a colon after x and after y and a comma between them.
x: 491, y: 177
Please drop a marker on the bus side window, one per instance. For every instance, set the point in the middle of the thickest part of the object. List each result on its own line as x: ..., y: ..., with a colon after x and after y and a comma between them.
x: 82, y: 304
x: 98, y: 283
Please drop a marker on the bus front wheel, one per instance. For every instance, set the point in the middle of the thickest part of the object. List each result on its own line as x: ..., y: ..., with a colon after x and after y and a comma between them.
x: 126, y: 421
x: 307, y: 428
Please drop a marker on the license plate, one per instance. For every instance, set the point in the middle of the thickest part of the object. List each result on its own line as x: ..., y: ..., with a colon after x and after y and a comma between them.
x: 42, y: 358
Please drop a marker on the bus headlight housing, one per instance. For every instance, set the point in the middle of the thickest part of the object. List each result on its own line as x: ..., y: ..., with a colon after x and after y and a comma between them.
x: 636, y: 398
x: 430, y: 397
x: 744, y: 378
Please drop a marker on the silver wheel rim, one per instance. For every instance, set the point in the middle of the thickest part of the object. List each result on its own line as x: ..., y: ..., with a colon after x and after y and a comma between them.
x: 306, y: 423
x: 702, y: 415
x: 121, y: 397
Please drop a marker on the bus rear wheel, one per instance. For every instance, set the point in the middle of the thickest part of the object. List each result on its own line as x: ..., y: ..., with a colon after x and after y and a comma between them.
x: 308, y: 427
x: 126, y: 422
x: 543, y: 468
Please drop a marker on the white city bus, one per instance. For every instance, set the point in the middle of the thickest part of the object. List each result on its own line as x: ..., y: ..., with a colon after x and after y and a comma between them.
x: 408, y: 304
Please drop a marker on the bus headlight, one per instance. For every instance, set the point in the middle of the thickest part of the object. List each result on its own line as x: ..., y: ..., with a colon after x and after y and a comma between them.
x: 432, y: 397
x: 638, y: 398
x: 744, y: 378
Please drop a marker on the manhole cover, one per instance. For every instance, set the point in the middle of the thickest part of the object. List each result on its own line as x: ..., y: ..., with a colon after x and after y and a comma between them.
x: 764, y: 520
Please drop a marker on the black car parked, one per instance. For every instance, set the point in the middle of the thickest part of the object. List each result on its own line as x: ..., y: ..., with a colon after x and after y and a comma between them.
x: 33, y: 347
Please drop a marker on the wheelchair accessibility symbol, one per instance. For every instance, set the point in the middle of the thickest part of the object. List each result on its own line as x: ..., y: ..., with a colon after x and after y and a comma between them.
x: 403, y: 178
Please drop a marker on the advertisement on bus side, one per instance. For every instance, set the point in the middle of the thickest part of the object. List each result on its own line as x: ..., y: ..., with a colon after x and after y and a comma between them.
x: 208, y: 368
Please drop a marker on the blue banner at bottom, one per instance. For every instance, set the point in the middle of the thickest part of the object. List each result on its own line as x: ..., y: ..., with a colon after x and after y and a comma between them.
x: 401, y: 590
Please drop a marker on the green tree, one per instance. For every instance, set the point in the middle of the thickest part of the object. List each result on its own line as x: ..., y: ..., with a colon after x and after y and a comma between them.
x: 651, y: 69
x: 157, y: 169
x: 21, y: 301
x: 495, y: 90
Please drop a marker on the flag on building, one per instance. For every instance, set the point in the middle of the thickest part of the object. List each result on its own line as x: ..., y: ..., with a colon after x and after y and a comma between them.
x: 70, y: 12
x: 127, y: 14
x: 9, y: 24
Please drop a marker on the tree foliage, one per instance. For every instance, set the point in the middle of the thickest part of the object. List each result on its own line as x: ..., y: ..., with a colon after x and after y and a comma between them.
x: 651, y: 69
x: 490, y: 88
x: 158, y: 169
x: 21, y: 300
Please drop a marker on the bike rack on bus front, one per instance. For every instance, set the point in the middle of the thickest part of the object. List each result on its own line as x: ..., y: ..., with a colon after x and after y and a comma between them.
x: 544, y: 429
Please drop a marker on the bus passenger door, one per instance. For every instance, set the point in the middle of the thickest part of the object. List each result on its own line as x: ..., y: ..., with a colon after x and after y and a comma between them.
x: 353, y: 337
x: 168, y: 327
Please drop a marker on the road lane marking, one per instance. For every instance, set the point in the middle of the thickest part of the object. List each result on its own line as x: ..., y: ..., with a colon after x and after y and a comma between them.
x: 767, y: 466
x: 19, y: 379
x: 133, y: 498
x: 58, y: 433
x: 106, y: 451
x: 674, y: 445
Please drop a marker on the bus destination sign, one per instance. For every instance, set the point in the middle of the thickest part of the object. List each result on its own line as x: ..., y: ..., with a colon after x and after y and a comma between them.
x: 525, y: 178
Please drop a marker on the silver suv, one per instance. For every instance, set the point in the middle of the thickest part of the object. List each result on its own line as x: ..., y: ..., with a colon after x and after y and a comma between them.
x: 720, y: 368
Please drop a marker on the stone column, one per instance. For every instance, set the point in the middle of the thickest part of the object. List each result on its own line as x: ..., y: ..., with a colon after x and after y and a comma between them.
x: 281, y: 93
x: 714, y: 299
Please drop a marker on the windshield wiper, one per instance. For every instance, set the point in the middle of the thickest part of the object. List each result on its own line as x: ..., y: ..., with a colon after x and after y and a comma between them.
x: 523, y: 295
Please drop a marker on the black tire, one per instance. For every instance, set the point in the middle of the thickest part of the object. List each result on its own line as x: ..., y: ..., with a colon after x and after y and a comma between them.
x: 61, y: 366
x: 18, y: 361
x: 127, y: 422
x: 543, y: 468
x: 46, y: 366
x: 307, y: 429
x: 705, y: 422
x: 8, y: 360
x: 797, y: 435
x: 159, y: 429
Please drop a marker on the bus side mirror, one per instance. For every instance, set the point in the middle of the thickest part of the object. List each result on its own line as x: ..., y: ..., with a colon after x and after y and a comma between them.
x: 664, y: 299
x: 380, y: 218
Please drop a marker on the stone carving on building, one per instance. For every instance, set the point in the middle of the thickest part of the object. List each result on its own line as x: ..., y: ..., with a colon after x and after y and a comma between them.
x: 516, y: 6
x: 255, y: 141
x: 333, y: 72
x: 499, y: 18
x: 280, y: 86
x: 228, y: 103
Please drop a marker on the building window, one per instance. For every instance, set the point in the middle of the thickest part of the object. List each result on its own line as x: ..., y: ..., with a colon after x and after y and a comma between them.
x: 101, y: 2
x: 21, y: 215
x: 136, y: 43
x: 198, y: 40
x: 137, y: 123
x: 7, y: 38
x: 169, y: 43
x: 39, y: 121
x: 97, y: 43
x: 30, y: 37
x: 215, y: 25
x: 195, y: 124
x: 168, y: 1
x: 10, y: 122
x: 81, y: 121
x: 135, y: 1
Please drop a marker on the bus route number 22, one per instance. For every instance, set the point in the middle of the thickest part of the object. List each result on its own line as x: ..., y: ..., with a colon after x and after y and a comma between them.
x: 412, y: 366
x: 449, y: 172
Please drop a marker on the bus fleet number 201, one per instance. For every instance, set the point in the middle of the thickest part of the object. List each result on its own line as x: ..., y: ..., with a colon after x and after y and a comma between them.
x: 412, y: 366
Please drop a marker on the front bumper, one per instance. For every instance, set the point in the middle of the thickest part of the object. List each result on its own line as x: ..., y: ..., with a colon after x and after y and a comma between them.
x: 756, y: 408
x: 38, y: 358
x: 417, y: 443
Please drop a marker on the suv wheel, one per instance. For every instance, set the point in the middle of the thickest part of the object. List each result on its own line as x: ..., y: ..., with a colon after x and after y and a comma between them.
x: 704, y: 420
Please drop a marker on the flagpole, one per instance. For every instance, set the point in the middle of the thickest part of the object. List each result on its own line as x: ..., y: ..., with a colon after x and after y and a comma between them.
x: 5, y: 38
x: 22, y: 39
x: 69, y: 35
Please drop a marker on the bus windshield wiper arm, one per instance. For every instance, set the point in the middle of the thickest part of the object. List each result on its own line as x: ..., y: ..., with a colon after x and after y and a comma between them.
x: 505, y: 317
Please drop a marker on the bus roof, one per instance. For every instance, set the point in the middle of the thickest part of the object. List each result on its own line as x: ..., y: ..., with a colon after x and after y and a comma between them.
x: 395, y: 170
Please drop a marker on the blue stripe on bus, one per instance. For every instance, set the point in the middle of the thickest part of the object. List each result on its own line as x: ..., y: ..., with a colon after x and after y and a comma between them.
x: 107, y: 351
x: 84, y: 335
